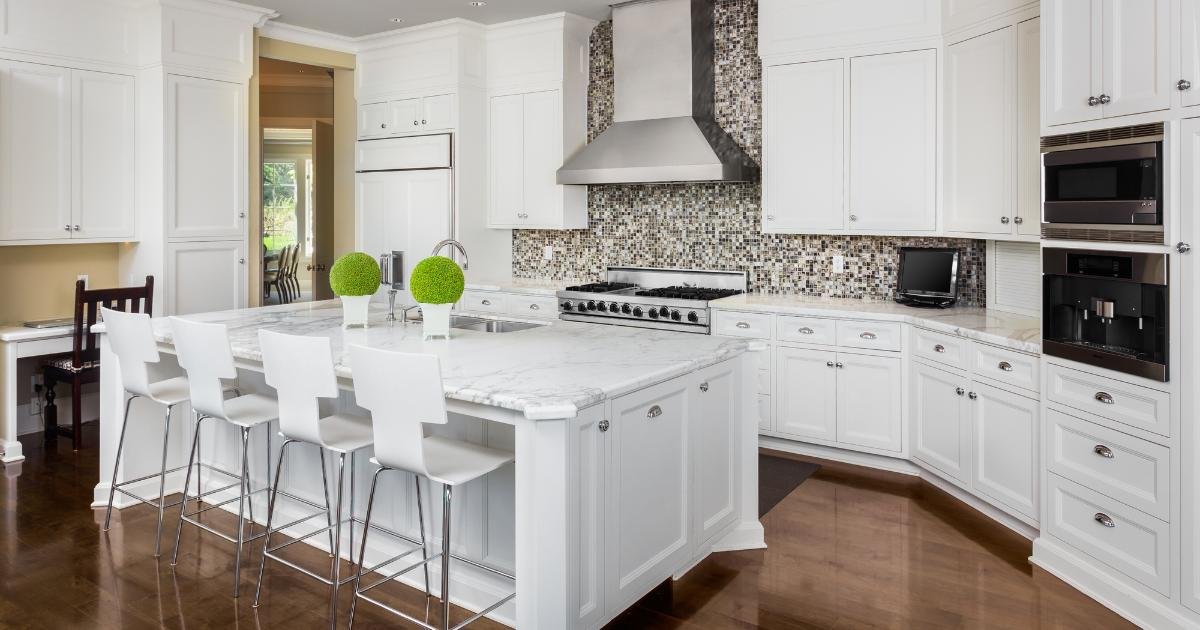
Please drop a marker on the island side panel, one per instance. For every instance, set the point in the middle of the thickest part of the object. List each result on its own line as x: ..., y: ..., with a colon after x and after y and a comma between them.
x: 748, y: 534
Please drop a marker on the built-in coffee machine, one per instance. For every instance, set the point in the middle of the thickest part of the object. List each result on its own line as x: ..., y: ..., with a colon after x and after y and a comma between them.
x: 1107, y: 309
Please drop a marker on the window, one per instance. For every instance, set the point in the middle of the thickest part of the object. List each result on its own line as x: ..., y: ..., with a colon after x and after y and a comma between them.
x: 279, y: 205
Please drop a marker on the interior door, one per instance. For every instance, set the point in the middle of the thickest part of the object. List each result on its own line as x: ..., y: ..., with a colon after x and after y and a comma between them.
x: 893, y: 142
x: 806, y: 390
x: 869, y: 401
x: 103, y: 173
x: 35, y: 151
x: 1137, y: 56
x: 1072, y: 73
x: 321, y: 256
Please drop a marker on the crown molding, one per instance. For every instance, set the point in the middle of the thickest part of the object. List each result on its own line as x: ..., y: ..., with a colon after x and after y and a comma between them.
x: 309, y: 37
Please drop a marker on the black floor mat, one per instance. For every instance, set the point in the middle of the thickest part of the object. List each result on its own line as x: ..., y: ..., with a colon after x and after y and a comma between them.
x: 777, y: 477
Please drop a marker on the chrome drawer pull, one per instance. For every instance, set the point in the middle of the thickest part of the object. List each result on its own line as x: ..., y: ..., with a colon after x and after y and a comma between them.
x: 534, y: 307
x: 486, y: 302
x: 939, y: 348
x: 806, y: 331
x: 1105, y: 398
x: 743, y: 325
x: 1103, y: 451
x: 1005, y: 366
x: 868, y: 335
x: 654, y: 412
x: 1104, y: 519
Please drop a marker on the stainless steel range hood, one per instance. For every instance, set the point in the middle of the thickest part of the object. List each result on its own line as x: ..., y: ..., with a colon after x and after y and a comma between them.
x: 663, y: 127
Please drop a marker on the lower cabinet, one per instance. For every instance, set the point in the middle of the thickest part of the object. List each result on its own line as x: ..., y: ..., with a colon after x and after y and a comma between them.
x: 807, y: 392
x: 941, y: 438
x: 205, y: 276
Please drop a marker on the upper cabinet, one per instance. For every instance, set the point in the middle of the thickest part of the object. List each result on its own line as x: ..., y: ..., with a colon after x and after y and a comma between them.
x: 407, y: 116
x: 66, y: 154
x: 1188, y: 82
x: 1105, y: 58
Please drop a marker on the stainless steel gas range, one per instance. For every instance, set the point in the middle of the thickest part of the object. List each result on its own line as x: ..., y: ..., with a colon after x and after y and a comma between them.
x: 667, y: 299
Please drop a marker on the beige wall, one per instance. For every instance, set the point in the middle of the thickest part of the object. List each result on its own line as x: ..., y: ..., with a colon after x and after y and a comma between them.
x: 38, y: 281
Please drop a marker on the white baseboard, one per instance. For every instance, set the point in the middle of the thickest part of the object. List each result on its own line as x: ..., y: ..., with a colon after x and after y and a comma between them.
x: 831, y: 453
x: 746, y: 535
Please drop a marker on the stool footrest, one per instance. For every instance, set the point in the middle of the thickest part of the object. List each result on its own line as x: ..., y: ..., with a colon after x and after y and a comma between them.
x: 208, y: 528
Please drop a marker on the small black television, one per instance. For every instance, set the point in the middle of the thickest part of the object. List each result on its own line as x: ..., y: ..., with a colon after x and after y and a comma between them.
x: 927, y: 276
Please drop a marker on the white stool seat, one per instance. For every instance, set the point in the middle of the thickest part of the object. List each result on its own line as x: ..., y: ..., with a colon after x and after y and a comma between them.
x: 171, y: 391
x: 453, y: 462
x: 346, y: 433
x: 251, y: 410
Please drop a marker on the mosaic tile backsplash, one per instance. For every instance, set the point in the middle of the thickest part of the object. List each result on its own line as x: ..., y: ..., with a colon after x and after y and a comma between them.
x: 716, y: 225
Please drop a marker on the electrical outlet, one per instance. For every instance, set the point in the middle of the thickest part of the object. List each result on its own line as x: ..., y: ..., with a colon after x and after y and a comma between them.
x: 548, y: 252
x: 839, y: 264
x: 84, y: 277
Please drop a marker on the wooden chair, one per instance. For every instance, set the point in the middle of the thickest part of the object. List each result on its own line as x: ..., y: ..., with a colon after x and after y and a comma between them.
x: 278, y: 279
x: 270, y: 276
x: 82, y: 366
x: 292, y: 278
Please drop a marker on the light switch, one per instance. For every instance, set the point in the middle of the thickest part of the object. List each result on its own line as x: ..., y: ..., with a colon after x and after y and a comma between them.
x: 839, y: 264
x: 548, y: 252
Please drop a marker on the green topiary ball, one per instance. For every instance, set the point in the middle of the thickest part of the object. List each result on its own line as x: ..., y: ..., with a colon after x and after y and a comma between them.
x: 354, y: 274
x: 437, y: 280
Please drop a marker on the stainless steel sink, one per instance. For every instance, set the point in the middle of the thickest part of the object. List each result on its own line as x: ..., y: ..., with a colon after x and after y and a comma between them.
x: 463, y: 322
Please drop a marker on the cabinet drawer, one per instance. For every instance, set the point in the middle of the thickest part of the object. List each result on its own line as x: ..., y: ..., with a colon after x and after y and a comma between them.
x: 869, y: 335
x: 1127, y: 540
x: 940, y: 348
x: 1126, y: 468
x: 806, y: 330
x: 732, y: 324
x: 483, y: 302
x: 537, y: 306
x: 1006, y: 366
x: 1126, y: 403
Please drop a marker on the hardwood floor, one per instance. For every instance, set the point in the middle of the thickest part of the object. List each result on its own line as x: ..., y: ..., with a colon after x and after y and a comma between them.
x: 849, y: 548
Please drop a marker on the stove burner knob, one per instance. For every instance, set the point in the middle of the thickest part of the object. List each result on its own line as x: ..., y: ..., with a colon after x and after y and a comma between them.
x: 653, y: 313
x: 625, y: 308
x: 675, y: 315
x: 601, y: 307
x: 693, y: 317
x: 613, y: 307
x: 566, y: 306
x: 591, y: 306
x: 637, y: 311
x: 664, y: 312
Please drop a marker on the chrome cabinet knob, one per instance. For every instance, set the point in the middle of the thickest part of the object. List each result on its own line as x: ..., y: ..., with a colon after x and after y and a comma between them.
x: 1018, y: 220
x: 241, y: 215
x: 67, y: 228
x: 1183, y: 85
x: 1104, y: 397
x: 383, y: 125
x: 486, y: 302
x: 416, y: 124
x: 1104, y: 519
x: 704, y: 386
x: 854, y: 217
x: 1103, y: 451
x: 1004, y: 220
x: 76, y: 228
x: 829, y: 364
x: 534, y: 307
x: 654, y: 412
x: 1183, y: 248
x: 423, y: 121
x: 840, y: 365
x: 1093, y: 101
x: 241, y: 261
x: 1105, y: 99
x: 602, y: 425
x: 939, y: 348
x: 960, y: 391
x: 972, y: 395
x: 1005, y: 366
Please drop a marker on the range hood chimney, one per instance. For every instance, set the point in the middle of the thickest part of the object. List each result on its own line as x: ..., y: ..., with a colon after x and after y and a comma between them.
x: 663, y: 127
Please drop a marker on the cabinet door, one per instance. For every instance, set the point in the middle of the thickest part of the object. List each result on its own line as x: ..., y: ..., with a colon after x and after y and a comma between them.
x: 647, y: 491
x: 806, y: 391
x: 586, y: 592
x: 1071, y: 63
x: 1189, y: 283
x: 1189, y: 45
x: 941, y: 428
x: 1005, y: 458
x: 893, y: 142
x: 35, y: 151
x: 869, y: 402
x: 373, y: 196
x: 980, y: 117
x: 714, y: 432
x: 437, y: 112
x: 506, y: 159
x: 103, y: 156
x: 373, y: 120
x: 419, y: 217
x: 1029, y: 151
x: 205, y: 276
x: 803, y: 167
x: 405, y: 115
x: 206, y: 158
x: 543, y: 154
x: 1137, y: 56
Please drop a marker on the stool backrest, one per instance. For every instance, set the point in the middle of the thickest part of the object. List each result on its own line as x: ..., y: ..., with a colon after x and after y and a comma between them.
x: 203, y: 351
x: 301, y: 371
x: 131, y: 338
x: 402, y: 391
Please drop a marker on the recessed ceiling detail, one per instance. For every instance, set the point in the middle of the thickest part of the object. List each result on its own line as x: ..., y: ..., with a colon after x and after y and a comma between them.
x: 355, y: 18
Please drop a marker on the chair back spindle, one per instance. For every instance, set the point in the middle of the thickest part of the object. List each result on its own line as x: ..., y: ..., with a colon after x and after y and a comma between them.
x: 85, y: 348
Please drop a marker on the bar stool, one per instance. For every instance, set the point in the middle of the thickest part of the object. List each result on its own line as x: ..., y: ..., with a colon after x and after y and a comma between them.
x: 301, y: 371
x: 131, y: 338
x: 404, y: 392
x: 204, y: 353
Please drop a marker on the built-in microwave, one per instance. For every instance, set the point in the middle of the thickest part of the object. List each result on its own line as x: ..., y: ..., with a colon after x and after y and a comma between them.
x: 1104, y: 186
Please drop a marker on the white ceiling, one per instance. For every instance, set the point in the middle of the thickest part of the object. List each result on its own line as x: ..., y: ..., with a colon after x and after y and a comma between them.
x: 354, y: 18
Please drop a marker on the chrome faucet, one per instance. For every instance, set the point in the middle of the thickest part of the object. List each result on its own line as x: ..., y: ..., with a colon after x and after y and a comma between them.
x: 404, y: 313
x: 457, y: 245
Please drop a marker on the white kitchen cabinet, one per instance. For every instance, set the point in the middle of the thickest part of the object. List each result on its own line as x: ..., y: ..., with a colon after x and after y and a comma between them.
x: 869, y: 408
x: 941, y: 433
x: 407, y: 116
x: 35, y: 152
x: 648, y: 514
x: 803, y: 170
x: 406, y: 211
x: 1189, y: 282
x: 713, y: 426
x: 807, y: 393
x: 1028, y: 219
x: 206, y: 153
x: 103, y: 156
x: 1188, y: 82
x: 587, y: 591
x: 205, y: 276
x: 525, y: 149
x: 1004, y: 462
x: 893, y: 142
x: 373, y: 119
x: 1105, y: 58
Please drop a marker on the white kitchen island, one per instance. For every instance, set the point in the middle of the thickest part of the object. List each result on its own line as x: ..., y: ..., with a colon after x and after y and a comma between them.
x: 636, y: 454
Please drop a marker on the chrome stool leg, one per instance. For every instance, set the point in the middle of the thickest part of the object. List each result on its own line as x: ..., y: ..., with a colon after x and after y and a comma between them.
x: 325, y: 487
x: 162, y: 480
x: 193, y: 458
x: 362, y: 554
x: 446, y: 490
x: 421, y: 527
x: 270, y: 514
x: 112, y: 488
x: 337, y: 542
x: 243, y: 489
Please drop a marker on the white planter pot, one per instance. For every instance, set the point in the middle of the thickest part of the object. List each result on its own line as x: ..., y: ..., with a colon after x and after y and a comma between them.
x: 354, y: 310
x: 435, y: 320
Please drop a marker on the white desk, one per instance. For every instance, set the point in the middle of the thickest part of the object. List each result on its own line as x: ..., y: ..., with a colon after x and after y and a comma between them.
x: 18, y: 342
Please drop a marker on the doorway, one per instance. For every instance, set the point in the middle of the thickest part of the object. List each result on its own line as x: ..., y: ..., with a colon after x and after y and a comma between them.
x: 296, y: 119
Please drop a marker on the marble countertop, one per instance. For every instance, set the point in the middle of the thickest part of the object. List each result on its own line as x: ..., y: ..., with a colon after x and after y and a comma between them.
x: 1019, y: 332
x: 547, y: 372
x: 529, y: 286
